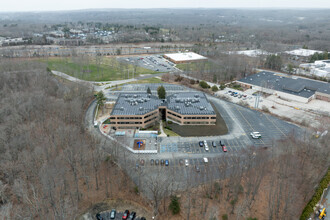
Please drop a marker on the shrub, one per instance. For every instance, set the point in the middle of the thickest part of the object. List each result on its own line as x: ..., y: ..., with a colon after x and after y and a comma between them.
x: 265, y: 109
x: 136, y: 189
x: 204, y: 84
x: 224, y: 217
x: 169, y: 122
x: 178, y: 78
x: 222, y: 86
x: 192, y: 81
x: 308, y: 210
x: 174, y: 205
x: 215, y: 88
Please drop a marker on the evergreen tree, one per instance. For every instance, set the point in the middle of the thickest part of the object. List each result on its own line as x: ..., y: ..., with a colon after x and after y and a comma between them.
x: 161, y: 92
x: 148, y: 91
x: 100, y: 98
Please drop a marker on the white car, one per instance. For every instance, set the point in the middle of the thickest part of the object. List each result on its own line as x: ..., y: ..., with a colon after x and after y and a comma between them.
x: 186, y: 162
x: 206, y: 146
x: 255, y: 135
x: 205, y: 160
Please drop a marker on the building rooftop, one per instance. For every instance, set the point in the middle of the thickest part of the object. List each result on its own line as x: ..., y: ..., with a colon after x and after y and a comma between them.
x: 185, y: 103
x: 135, y: 104
x: 285, y: 83
x: 187, y: 56
x: 190, y: 103
x: 303, y: 52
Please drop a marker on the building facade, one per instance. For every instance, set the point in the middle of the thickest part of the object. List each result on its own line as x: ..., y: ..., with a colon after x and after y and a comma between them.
x: 135, y: 111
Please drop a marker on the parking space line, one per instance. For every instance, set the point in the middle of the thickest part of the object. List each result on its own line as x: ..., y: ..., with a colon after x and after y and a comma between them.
x: 247, y: 122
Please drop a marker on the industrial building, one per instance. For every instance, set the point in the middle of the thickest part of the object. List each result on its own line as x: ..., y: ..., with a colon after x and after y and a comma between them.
x: 320, y: 68
x: 287, y: 87
x: 184, y: 57
x: 142, y: 110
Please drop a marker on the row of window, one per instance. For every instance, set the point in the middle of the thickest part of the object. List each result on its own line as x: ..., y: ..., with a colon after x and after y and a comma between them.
x: 174, y: 119
x: 147, y: 116
x: 196, y: 118
x: 196, y: 123
x: 129, y: 122
x: 151, y: 119
x: 178, y: 116
x: 129, y: 118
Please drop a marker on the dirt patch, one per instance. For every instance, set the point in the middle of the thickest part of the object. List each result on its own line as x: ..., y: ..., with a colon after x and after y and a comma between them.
x: 220, y: 128
x: 139, y: 144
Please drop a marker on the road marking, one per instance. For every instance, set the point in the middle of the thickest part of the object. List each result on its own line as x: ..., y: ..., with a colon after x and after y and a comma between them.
x: 275, y: 125
x: 248, y: 122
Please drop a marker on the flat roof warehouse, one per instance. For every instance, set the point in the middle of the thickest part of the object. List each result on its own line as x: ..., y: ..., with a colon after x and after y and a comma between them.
x: 297, y: 86
x: 184, y: 57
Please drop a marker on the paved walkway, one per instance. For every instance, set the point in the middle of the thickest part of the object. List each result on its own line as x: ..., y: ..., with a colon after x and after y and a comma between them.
x: 162, y: 133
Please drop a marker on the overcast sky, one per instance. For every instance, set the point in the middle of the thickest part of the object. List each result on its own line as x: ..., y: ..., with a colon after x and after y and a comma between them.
x: 54, y: 5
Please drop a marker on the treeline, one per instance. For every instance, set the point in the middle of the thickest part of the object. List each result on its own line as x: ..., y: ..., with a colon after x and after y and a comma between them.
x: 50, y: 166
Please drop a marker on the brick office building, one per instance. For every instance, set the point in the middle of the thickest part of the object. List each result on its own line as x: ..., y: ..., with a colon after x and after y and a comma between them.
x: 142, y: 110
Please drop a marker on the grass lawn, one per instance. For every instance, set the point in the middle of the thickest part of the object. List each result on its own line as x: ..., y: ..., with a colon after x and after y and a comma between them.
x: 148, y: 80
x: 170, y: 133
x: 90, y: 69
x: 220, y: 128
x: 198, y: 66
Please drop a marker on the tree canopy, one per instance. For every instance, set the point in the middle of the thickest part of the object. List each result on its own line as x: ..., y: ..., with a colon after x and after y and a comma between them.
x: 161, y: 92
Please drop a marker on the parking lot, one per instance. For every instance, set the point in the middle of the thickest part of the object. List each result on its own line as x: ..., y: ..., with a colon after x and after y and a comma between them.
x: 106, y: 215
x: 152, y: 62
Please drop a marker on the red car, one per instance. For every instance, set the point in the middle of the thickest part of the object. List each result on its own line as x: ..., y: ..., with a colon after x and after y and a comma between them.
x: 125, y: 215
x: 223, y: 146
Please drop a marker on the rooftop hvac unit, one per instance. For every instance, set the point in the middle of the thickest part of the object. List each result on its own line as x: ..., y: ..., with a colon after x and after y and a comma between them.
x: 196, y: 95
x: 177, y: 107
x: 201, y: 108
x: 135, y: 96
x: 121, y: 108
x: 141, y: 108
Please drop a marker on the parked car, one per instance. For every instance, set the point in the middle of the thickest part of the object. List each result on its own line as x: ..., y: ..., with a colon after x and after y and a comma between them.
x: 113, y: 214
x: 167, y: 163
x: 206, y: 147
x: 186, y: 162
x: 152, y: 162
x: 156, y: 162
x: 201, y: 144
x: 162, y: 162
x: 125, y: 215
x: 255, y: 135
x: 132, y: 216
x: 214, y: 144
x: 142, y: 218
x: 205, y: 160
x: 197, y: 168
x: 224, y: 149
x: 98, y: 216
